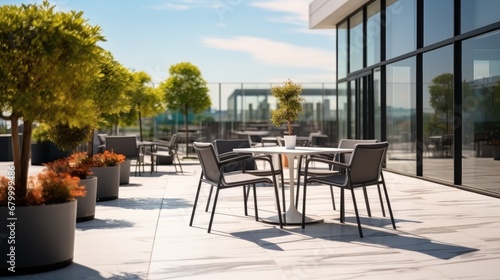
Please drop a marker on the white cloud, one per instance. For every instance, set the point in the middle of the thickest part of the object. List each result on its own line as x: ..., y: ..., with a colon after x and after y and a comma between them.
x: 296, y: 11
x: 276, y: 53
x: 183, y: 5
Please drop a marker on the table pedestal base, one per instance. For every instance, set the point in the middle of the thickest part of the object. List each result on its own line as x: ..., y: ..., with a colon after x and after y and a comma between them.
x: 291, y: 217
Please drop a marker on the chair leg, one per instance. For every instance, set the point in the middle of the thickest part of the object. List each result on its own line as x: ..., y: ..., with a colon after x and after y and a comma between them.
x: 283, y: 195
x: 381, y: 201
x: 276, y: 194
x: 388, y: 202
x: 342, y: 205
x: 333, y: 197
x: 245, y: 199
x: 255, y: 202
x: 195, y: 201
x: 179, y: 162
x: 304, y: 204
x: 357, y: 213
x: 213, y: 209
x: 209, y: 197
x: 365, y: 193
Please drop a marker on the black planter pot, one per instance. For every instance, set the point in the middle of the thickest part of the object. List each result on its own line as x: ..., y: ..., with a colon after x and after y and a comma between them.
x: 45, y: 152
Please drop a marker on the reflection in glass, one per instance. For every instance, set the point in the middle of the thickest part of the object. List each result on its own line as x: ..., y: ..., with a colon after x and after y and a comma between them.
x: 377, y: 104
x: 342, y: 110
x: 438, y: 113
x: 400, y: 27
x: 342, y: 50
x: 401, y: 116
x: 481, y: 112
x: 373, y: 33
x: 478, y: 13
x: 356, y: 42
x: 438, y: 21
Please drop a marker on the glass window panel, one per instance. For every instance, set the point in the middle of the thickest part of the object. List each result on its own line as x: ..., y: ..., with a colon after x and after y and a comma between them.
x: 478, y: 13
x: 377, y: 104
x: 342, y: 110
x: 438, y: 117
x: 356, y: 42
x: 481, y: 111
x: 401, y: 118
x: 373, y: 33
x: 438, y: 21
x: 400, y: 27
x: 342, y: 50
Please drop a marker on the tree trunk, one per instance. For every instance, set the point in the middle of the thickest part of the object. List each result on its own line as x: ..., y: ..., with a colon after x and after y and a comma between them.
x: 140, y: 125
x: 187, y: 132
x: 21, y: 155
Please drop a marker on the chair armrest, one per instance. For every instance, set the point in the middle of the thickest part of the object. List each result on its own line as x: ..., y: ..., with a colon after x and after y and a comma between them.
x: 326, y: 161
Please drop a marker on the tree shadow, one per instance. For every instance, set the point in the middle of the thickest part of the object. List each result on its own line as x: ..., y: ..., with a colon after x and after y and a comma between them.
x: 146, y: 203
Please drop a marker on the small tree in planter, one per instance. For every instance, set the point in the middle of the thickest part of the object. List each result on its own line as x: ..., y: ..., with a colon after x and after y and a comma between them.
x: 48, y: 62
x: 288, y: 106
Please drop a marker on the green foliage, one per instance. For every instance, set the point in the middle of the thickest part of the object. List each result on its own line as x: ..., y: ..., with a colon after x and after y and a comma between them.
x: 289, y: 104
x: 49, y: 61
x: 67, y: 138
x: 441, y: 96
x: 142, y: 98
x: 186, y: 90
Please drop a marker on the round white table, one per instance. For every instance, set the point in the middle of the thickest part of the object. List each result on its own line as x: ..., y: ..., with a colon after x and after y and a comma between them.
x: 292, y: 216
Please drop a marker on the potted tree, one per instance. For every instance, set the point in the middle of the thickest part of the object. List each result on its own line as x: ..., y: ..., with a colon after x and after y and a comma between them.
x: 48, y: 62
x: 288, y: 108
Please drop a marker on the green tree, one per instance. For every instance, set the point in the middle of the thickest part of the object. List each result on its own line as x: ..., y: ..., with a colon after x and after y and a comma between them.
x: 186, y: 91
x: 441, y: 96
x: 143, y: 99
x: 48, y: 59
x: 289, y: 104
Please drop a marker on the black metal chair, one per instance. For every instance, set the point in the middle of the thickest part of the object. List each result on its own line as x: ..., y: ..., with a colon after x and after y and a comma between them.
x: 169, y: 150
x: 363, y: 169
x: 329, y: 169
x: 213, y: 174
x: 126, y: 145
x: 224, y: 149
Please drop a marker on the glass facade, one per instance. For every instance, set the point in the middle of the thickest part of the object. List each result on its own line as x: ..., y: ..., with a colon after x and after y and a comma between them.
x: 436, y: 93
x: 373, y: 33
x: 438, y: 21
x: 401, y: 27
x: 438, y: 117
x: 478, y: 13
x: 356, y: 42
x: 401, y: 118
x: 342, y: 50
x: 481, y: 111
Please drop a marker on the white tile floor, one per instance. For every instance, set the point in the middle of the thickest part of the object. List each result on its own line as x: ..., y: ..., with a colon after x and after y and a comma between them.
x: 442, y: 233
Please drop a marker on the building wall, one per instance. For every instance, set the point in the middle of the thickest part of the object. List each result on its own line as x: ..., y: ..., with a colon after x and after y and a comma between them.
x: 434, y: 84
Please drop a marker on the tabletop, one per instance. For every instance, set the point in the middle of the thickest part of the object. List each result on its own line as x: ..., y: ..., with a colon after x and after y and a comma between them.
x: 297, y: 151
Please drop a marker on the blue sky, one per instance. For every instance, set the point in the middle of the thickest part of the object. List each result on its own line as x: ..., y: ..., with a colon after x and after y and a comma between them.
x: 229, y: 40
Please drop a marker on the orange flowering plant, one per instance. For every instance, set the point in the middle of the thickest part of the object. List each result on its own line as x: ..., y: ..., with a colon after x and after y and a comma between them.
x: 77, y: 164
x: 48, y: 187
x: 107, y: 158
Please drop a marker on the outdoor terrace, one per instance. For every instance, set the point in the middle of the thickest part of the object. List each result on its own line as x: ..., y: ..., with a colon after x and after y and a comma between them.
x: 442, y: 233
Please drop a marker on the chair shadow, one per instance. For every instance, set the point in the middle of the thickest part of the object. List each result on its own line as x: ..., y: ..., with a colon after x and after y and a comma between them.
x: 103, y: 224
x: 348, y: 233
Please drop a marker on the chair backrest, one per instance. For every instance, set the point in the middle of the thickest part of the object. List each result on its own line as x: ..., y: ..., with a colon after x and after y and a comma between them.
x: 125, y: 145
x: 208, y: 160
x: 349, y: 144
x: 227, y: 145
x: 173, y: 142
x: 366, y: 163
